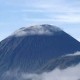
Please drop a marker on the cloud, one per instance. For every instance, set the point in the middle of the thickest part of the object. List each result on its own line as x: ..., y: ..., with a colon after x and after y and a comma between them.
x: 70, y: 18
x: 60, y: 10
x: 66, y: 18
x: 35, y: 30
x: 70, y: 73
x: 75, y: 54
x: 57, y: 11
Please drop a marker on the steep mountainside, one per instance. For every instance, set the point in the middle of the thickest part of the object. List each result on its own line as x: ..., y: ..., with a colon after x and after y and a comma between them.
x: 31, y: 49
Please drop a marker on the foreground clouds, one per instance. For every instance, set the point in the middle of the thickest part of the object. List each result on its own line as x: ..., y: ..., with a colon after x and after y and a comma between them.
x: 70, y: 73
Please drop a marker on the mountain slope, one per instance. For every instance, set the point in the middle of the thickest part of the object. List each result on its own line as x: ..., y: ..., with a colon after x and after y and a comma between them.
x: 29, y: 49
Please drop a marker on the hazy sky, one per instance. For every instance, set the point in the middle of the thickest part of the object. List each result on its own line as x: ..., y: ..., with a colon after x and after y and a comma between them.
x: 19, y: 13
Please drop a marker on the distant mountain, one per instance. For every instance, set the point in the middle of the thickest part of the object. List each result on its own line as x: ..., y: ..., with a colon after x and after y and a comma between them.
x: 37, y: 48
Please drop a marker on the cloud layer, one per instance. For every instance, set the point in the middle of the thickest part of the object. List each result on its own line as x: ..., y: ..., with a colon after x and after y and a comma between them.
x: 58, y: 11
x: 71, y: 73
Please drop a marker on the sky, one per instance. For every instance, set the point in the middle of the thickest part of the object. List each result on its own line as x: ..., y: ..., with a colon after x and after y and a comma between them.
x: 15, y: 14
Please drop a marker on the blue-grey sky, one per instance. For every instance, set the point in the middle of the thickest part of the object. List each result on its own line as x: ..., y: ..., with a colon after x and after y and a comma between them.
x: 22, y: 13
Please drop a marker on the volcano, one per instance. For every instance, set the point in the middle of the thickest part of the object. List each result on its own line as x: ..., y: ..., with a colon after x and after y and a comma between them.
x: 31, y: 49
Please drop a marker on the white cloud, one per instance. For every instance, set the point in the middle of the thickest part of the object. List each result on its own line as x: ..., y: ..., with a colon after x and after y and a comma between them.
x: 70, y: 18
x: 66, y: 18
x: 70, y: 73
x: 65, y: 11
x: 35, y: 30
x: 58, y: 11
x: 75, y: 54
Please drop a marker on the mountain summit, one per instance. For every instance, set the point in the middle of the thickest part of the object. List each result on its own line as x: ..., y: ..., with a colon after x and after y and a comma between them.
x: 44, y: 29
x: 30, y: 49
